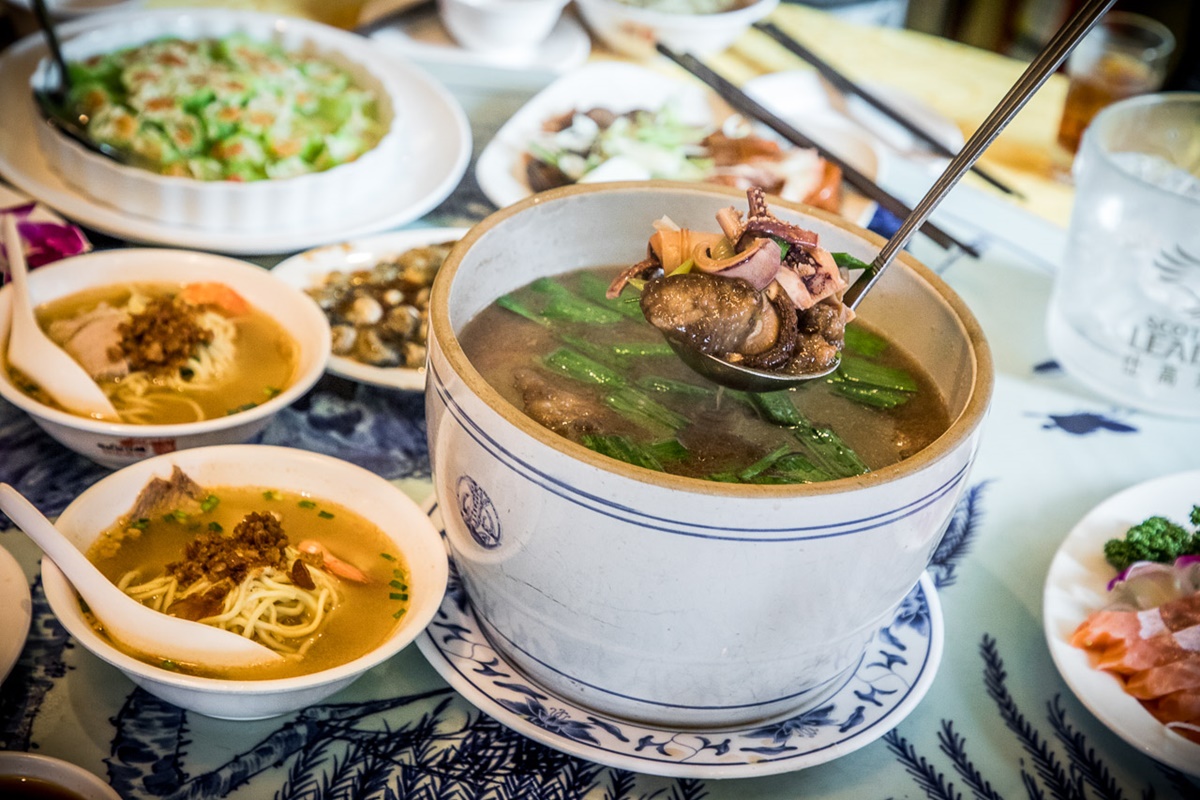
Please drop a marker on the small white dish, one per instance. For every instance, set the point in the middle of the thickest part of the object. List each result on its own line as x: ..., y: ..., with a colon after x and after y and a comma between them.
x: 500, y: 26
x: 421, y: 36
x: 18, y: 610
x: 895, y: 673
x: 438, y: 151
x: 633, y: 30
x: 70, y: 780
x: 1076, y: 586
x: 796, y: 95
x: 306, y: 269
x: 622, y: 87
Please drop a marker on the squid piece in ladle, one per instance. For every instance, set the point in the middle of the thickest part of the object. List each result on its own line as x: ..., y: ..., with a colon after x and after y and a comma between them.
x: 761, y: 293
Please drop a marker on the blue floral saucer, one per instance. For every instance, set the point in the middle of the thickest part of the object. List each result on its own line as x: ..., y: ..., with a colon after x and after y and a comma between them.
x: 895, y: 673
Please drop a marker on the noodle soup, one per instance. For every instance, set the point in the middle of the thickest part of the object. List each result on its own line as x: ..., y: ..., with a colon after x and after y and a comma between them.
x: 167, y: 353
x: 311, y: 579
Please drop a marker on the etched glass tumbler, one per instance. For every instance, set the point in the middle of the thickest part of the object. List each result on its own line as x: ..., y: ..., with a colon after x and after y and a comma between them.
x: 1124, y: 316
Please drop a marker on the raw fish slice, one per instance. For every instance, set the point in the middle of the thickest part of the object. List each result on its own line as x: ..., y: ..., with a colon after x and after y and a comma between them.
x: 1107, y: 628
x: 1176, y: 676
x: 1135, y: 654
x: 1181, y: 706
x: 1181, y: 613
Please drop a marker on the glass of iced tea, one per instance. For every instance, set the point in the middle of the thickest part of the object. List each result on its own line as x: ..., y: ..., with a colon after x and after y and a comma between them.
x: 1124, y: 55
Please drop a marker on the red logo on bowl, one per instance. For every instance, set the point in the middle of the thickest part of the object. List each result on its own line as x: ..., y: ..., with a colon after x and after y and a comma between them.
x: 134, y: 448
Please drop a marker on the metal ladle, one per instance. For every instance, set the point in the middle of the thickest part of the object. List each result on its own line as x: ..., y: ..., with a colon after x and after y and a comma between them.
x: 52, y: 100
x: 745, y: 378
x: 127, y: 621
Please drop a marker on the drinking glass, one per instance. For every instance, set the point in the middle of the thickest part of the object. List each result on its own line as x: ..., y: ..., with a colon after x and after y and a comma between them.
x: 1124, y: 55
x: 1124, y: 315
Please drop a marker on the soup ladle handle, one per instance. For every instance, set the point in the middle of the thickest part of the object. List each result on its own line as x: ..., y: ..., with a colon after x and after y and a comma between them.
x: 1036, y: 74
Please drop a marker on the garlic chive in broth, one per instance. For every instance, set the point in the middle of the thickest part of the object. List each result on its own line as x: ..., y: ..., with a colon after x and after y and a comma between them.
x: 582, y: 358
x: 307, y: 577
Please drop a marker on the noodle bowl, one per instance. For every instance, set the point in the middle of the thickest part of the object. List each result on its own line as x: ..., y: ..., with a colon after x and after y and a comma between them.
x: 294, y: 347
x: 134, y: 342
x: 302, y: 575
x: 237, y: 474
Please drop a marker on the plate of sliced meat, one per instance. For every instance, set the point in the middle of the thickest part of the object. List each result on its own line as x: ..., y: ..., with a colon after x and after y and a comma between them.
x: 612, y: 121
x: 1122, y: 616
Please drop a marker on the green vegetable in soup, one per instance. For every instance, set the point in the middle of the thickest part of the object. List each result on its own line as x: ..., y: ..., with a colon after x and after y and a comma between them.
x: 592, y: 370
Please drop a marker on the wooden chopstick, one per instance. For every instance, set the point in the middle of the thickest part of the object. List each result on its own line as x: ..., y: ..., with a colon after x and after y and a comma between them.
x: 848, y: 86
x: 747, y: 105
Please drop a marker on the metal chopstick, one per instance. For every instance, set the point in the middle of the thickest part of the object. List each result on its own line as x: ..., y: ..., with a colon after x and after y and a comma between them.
x: 1052, y: 55
x: 747, y: 105
x: 847, y: 86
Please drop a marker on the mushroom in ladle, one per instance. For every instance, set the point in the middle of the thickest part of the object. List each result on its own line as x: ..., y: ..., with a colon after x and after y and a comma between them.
x: 760, y: 294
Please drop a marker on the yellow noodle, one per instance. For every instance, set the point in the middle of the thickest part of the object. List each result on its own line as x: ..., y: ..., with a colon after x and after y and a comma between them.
x: 267, y: 606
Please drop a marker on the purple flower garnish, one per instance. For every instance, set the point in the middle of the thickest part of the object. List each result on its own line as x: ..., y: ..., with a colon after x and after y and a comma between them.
x: 45, y: 240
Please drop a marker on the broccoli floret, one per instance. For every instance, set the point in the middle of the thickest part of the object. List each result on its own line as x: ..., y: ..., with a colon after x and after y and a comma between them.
x: 1155, y: 539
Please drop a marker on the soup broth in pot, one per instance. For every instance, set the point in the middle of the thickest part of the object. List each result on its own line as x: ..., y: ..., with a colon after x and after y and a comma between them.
x: 593, y: 370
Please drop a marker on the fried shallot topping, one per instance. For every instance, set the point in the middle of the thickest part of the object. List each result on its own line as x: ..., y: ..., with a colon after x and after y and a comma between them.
x: 163, y: 337
x: 257, y: 541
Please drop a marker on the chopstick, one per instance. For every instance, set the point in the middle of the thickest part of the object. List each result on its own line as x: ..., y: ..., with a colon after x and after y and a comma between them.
x: 848, y: 86
x: 747, y: 105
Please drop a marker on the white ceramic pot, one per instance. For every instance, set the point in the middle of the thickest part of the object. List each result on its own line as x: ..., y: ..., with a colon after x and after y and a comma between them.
x: 664, y: 599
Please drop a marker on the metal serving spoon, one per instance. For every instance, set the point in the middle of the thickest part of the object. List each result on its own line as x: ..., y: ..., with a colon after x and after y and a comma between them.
x: 35, y: 354
x: 52, y: 100
x: 736, y: 376
x: 126, y: 620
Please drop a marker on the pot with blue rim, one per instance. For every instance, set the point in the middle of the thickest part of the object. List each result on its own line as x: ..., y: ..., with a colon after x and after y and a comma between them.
x: 667, y: 599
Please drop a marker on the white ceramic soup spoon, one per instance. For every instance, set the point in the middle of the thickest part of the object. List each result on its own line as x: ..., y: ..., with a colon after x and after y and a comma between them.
x: 126, y: 620
x: 35, y: 354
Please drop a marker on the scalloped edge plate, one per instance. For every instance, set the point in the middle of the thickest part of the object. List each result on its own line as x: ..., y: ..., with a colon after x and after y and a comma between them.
x: 895, y: 673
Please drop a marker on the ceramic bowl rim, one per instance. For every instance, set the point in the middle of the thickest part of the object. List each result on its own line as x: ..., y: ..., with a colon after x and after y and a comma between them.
x: 59, y: 588
x: 302, y: 383
x: 44, y: 765
x: 752, y: 10
x: 960, y: 429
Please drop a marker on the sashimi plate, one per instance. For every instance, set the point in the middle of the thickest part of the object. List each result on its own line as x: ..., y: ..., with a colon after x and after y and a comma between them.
x: 893, y: 676
x: 1077, y: 586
